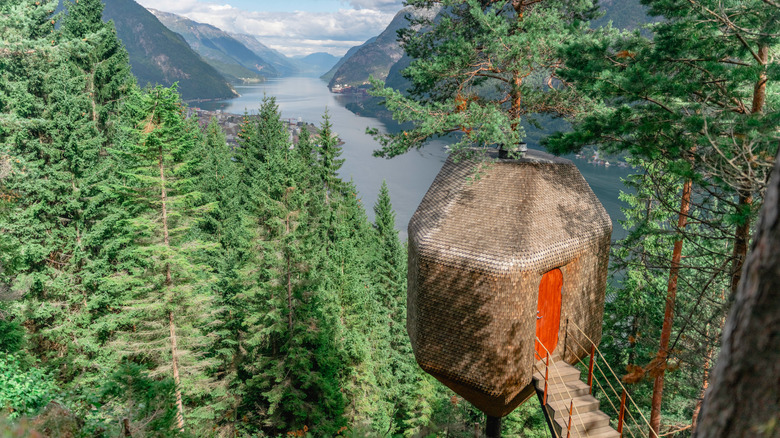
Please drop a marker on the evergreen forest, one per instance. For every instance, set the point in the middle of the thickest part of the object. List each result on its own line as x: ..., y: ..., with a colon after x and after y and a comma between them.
x: 155, y: 281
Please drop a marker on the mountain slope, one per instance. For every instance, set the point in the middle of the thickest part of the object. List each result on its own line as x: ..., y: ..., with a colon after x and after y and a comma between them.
x: 373, y: 57
x: 316, y: 64
x: 282, y: 64
x: 332, y: 72
x: 220, y: 50
x: 159, y: 56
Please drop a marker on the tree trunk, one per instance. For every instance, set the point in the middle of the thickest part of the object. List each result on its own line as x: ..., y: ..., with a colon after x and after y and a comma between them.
x: 659, y: 363
x: 742, y: 232
x: 168, y: 281
x: 741, y: 241
x: 744, y: 388
x: 289, y: 299
x: 175, y: 365
x: 704, y: 382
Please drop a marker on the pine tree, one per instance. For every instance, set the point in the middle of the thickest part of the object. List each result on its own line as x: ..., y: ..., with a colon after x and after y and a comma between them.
x: 480, y: 68
x: 216, y: 179
x: 60, y: 187
x: 408, y: 388
x: 172, y: 304
x: 293, y: 369
x: 699, y: 98
x: 100, y: 56
x: 329, y: 153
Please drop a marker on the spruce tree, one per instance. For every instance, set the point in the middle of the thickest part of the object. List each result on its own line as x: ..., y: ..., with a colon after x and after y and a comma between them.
x: 291, y: 367
x: 100, y: 57
x: 329, y: 153
x: 216, y: 179
x: 48, y: 127
x: 408, y: 389
x: 171, y: 304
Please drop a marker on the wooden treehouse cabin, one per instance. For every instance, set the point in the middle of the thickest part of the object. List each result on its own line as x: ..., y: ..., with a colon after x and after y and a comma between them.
x: 506, y: 258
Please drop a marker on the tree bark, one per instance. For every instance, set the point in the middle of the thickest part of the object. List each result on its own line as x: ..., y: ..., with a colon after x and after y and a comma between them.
x: 168, y: 281
x: 742, y: 400
x: 666, y: 331
x: 742, y: 232
x: 175, y: 365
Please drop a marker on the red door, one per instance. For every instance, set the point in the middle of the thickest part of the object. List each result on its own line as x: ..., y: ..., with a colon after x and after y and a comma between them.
x: 548, y: 314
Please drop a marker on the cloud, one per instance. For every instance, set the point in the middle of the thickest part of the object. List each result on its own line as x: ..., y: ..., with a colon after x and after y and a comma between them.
x: 296, y: 32
x: 381, y: 5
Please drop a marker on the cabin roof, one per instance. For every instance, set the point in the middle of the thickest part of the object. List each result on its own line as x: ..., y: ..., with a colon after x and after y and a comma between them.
x: 502, y: 215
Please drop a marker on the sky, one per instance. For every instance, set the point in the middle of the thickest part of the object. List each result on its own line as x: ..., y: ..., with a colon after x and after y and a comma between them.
x: 293, y: 27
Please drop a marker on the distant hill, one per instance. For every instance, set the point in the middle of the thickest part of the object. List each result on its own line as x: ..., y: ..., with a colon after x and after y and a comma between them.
x: 219, y: 49
x: 282, y: 64
x: 316, y: 64
x: 375, y: 57
x: 159, y: 56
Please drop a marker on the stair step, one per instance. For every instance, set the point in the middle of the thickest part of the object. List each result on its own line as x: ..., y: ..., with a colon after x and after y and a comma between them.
x: 565, y: 391
x: 560, y: 372
x: 555, y: 380
x: 584, y: 424
x: 582, y: 404
x: 602, y: 432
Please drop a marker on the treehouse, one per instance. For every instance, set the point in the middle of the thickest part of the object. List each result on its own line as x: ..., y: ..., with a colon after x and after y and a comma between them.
x: 502, y: 254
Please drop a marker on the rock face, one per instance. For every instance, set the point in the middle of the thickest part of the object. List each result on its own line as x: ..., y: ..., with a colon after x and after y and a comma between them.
x: 482, y: 242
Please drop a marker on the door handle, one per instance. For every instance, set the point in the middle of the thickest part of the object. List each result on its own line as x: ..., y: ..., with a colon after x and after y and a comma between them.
x: 537, y: 315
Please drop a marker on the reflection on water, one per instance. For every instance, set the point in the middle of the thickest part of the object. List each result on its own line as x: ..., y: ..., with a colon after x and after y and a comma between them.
x: 407, y: 176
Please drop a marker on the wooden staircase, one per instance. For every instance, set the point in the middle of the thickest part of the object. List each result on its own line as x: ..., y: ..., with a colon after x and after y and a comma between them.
x: 567, y: 393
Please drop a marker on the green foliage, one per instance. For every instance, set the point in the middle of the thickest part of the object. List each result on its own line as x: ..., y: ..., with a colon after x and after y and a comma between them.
x: 11, y: 334
x: 479, y: 69
x: 160, y: 56
x: 170, y: 300
x: 149, y: 404
x: 23, y: 390
x: 99, y: 55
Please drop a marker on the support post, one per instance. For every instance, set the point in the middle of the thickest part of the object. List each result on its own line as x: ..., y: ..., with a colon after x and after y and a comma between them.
x: 493, y: 427
x: 546, y: 371
x: 568, y: 426
x: 622, y: 414
x: 590, y: 367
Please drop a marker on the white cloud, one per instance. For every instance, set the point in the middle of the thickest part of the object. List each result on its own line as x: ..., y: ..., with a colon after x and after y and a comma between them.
x: 382, y: 5
x: 293, y: 33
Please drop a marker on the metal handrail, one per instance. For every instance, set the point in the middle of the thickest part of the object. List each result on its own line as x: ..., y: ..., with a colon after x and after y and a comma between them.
x: 563, y: 383
x: 614, y: 375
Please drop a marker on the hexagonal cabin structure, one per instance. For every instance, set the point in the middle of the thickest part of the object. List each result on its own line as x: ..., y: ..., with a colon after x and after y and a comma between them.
x: 487, y: 255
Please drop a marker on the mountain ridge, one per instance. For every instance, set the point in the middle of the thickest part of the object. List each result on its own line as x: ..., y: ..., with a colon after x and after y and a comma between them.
x: 160, y: 56
x: 230, y: 57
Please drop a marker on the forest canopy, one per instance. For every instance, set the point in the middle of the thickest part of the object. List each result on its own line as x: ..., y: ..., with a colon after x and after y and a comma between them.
x: 155, y: 281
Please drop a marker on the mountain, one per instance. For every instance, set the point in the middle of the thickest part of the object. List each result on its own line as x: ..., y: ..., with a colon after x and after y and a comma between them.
x: 159, y: 56
x: 332, y: 72
x: 282, y: 64
x: 316, y: 64
x: 219, y: 49
x: 374, y: 57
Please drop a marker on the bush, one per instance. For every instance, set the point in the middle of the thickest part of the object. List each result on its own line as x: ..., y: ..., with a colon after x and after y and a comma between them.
x: 23, y: 392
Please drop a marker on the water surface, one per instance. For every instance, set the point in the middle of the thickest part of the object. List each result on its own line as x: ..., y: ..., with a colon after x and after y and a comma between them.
x: 408, y: 176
